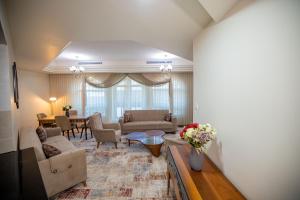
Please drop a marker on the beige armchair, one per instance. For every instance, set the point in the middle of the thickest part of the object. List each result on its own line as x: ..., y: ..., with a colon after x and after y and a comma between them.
x: 104, y: 132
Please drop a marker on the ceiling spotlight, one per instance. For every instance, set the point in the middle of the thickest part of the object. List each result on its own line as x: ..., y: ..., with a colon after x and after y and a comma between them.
x: 76, y: 69
x: 166, y: 66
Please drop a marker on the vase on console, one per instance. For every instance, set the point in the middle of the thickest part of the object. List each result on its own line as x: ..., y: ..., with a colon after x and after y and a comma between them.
x: 196, y: 159
x: 197, y: 135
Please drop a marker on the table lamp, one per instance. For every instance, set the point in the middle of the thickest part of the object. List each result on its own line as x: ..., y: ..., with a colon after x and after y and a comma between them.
x: 52, y: 100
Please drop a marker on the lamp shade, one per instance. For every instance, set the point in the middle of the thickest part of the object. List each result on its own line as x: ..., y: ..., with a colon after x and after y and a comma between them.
x: 52, y: 99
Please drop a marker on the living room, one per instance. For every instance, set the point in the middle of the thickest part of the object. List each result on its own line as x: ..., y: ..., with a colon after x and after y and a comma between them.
x: 107, y: 99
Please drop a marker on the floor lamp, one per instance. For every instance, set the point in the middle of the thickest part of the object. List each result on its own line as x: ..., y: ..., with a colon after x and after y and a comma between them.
x: 52, y: 100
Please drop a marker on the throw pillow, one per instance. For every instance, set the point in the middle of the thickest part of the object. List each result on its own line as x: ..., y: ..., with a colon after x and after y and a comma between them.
x: 50, y: 151
x: 127, y: 117
x: 168, y: 117
x: 41, y: 132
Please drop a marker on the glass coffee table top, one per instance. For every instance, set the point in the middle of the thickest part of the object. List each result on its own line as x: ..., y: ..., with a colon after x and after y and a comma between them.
x: 138, y: 136
x: 152, y: 140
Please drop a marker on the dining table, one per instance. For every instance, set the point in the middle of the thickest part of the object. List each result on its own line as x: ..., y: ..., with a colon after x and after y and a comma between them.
x: 73, y: 119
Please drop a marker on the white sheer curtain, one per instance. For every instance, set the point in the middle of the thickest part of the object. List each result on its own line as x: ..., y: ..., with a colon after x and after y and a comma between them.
x: 68, y: 91
x: 127, y: 94
x: 97, y: 100
x: 182, y: 84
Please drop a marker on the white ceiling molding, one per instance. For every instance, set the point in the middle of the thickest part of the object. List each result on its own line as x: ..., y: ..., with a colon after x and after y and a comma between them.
x: 114, y: 56
x: 217, y: 9
x: 119, y: 69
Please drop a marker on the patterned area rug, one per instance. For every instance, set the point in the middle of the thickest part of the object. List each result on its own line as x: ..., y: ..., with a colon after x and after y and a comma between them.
x: 130, y: 173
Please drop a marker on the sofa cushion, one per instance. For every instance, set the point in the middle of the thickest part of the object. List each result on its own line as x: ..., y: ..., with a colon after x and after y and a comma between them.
x: 42, y: 134
x: 127, y: 117
x: 147, y: 125
x: 50, y: 150
x: 60, y: 142
x: 168, y: 117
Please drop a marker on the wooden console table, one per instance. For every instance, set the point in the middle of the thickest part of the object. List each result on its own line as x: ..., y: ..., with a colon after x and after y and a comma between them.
x: 209, y: 184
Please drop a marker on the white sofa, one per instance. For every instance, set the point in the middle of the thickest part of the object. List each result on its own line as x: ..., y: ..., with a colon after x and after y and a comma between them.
x: 59, y: 172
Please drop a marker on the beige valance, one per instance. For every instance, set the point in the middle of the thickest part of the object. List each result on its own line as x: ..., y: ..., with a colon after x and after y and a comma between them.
x: 104, y: 80
x: 109, y: 80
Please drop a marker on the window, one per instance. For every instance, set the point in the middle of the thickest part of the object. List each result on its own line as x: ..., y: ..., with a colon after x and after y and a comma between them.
x: 126, y: 95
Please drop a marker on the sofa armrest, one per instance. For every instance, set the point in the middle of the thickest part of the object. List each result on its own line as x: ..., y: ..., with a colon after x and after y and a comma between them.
x: 53, y: 131
x: 115, y: 126
x: 63, y: 171
x: 67, y: 160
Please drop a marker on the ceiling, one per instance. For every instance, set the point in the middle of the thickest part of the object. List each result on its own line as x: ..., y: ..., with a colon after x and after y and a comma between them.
x: 114, y: 56
x: 41, y: 29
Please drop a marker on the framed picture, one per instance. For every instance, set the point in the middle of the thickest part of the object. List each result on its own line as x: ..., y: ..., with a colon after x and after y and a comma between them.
x: 15, y: 84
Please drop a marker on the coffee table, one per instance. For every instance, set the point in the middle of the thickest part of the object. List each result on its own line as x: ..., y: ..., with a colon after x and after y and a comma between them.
x: 152, y: 140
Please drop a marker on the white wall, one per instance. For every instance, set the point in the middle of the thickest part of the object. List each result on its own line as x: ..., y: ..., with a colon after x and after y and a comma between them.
x: 8, y: 112
x: 34, y: 97
x: 246, y: 83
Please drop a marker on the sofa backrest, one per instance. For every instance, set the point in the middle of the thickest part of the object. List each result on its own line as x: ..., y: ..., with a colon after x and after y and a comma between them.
x: 28, y: 138
x: 147, y: 115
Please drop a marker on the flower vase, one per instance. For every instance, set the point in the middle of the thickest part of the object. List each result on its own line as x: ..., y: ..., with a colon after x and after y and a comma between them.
x: 196, y: 160
x: 67, y: 113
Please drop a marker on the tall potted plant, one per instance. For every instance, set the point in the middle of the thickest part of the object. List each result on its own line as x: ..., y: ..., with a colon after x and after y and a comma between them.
x: 198, y: 135
x: 67, y: 108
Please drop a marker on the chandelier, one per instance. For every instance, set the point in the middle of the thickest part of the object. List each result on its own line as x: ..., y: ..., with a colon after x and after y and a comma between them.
x: 166, y: 67
x: 76, y: 69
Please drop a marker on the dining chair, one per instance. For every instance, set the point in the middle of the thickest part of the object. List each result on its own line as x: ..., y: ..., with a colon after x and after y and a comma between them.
x: 64, y: 123
x: 43, y: 115
x: 74, y: 113
x: 105, y: 132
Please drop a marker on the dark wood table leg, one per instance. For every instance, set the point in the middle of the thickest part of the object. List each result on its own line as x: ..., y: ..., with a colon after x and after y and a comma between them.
x: 85, y: 129
x: 128, y: 142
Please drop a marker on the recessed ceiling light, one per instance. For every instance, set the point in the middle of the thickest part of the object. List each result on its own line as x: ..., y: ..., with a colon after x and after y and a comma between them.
x: 163, y: 55
x: 75, y: 56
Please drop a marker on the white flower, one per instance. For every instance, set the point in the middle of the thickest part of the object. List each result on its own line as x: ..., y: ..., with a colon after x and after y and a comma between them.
x: 189, y: 132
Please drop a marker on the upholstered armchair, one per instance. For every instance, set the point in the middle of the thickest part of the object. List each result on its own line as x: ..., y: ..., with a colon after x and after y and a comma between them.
x: 104, y: 132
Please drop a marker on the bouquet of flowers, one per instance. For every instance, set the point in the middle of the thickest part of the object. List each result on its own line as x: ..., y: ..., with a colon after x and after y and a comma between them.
x: 198, y: 135
x: 67, y: 107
